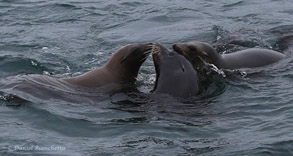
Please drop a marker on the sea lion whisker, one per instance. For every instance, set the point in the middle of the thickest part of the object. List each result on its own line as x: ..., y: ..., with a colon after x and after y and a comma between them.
x: 147, y: 52
x: 155, y: 49
x: 142, y: 59
x: 151, y: 45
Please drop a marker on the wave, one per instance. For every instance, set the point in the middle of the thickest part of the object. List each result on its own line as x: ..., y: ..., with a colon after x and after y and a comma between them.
x: 18, y: 65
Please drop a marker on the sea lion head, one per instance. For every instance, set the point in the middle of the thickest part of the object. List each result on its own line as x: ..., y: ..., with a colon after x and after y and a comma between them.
x: 198, y: 53
x: 174, y: 73
x: 127, y: 60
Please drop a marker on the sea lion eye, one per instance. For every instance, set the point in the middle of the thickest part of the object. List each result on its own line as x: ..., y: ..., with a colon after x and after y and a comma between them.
x: 182, y: 67
x: 192, y: 48
x: 135, y: 49
x: 204, y: 53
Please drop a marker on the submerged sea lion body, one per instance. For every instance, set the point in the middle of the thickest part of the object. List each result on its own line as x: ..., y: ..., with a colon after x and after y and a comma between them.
x: 122, y: 67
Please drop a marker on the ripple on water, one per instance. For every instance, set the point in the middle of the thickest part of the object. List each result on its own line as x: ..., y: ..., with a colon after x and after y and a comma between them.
x: 18, y: 65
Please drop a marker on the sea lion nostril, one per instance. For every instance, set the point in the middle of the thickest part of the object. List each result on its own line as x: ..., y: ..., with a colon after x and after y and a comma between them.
x: 177, y: 48
x: 174, y: 46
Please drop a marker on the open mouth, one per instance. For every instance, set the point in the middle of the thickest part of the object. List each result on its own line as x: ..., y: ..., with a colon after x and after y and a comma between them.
x: 156, y: 53
x: 148, y: 49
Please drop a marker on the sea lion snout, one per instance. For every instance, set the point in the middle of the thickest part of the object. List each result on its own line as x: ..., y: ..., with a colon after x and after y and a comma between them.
x: 176, y: 48
x: 180, y: 48
x: 160, y: 49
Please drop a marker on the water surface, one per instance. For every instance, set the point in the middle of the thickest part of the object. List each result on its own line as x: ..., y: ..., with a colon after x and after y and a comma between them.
x: 236, y: 115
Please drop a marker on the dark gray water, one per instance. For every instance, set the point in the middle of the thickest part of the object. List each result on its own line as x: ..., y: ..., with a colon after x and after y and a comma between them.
x: 236, y: 115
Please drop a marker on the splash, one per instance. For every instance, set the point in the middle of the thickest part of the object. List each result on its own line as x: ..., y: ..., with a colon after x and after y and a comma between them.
x: 216, y: 69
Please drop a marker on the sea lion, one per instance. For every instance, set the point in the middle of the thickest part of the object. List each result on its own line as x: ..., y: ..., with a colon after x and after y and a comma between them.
x: 123, y: 66
x: 197, y: 52
x: 174, y: 74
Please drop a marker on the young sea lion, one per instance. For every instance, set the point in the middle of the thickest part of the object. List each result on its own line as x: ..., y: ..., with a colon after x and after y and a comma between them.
x: 174, y: 73
x: 249, y: 58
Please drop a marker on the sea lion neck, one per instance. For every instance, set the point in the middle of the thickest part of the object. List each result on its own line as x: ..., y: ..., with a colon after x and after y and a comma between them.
x: 215, y: 57
x: 119, y: 70
x: 94, y: 78
x: 219, y: 62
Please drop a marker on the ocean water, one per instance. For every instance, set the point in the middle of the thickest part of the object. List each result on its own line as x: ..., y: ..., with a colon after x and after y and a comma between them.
x: 248, y: 114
